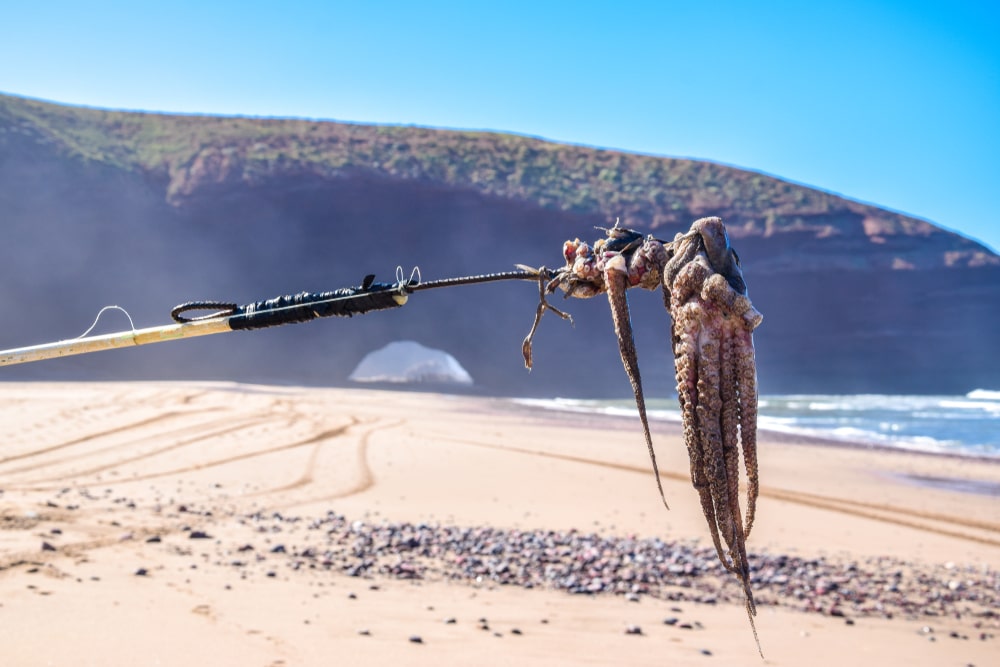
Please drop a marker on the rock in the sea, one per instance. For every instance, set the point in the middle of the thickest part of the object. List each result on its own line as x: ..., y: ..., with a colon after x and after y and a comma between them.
x: 410, y: 362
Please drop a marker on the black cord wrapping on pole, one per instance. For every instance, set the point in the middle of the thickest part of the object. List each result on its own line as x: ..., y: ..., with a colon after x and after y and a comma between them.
x: 301, y: 307
x: 306, y: 306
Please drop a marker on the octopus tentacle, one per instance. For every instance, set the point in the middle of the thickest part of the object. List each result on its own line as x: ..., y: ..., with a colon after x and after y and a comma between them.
x: 728, y: 391
x: 616, y: 279
x: 709, y: 430
x: 720, y: 455
x: 685, y: 251
x: 729, y: 423
x: 746, y: 371
x: 740, y: 320
x: 686, y: 332
x: 543, y: 305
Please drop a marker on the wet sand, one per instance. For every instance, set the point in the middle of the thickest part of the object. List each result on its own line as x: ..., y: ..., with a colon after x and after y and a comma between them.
x: 178, y: 524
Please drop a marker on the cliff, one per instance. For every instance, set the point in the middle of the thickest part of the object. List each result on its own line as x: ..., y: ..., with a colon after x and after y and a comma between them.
x: 148, y: 210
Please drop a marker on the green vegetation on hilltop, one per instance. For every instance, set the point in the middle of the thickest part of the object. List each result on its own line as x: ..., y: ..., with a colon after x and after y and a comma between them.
x: 192, y: 152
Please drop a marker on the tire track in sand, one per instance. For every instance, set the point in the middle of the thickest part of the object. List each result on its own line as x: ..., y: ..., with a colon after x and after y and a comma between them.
x: 366, y: 478
x: 230, y: 428
x: 100, y: 434
x: 329, y: 433
x: 882, y: 513
x: 184, y: 428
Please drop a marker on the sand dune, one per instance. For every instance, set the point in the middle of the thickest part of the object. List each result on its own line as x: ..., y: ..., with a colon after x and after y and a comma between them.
x: 140, y: 523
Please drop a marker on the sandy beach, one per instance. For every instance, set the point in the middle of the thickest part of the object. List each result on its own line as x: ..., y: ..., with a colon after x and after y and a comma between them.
x: 225, y: 524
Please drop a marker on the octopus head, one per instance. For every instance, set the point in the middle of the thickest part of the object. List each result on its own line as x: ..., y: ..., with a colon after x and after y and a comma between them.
x: 720, y: 253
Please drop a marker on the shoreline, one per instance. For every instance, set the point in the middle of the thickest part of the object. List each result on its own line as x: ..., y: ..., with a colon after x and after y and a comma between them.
x: 765, y: 435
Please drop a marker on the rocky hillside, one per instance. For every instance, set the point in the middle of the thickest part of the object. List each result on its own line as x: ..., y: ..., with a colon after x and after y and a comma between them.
x: 148, y: 210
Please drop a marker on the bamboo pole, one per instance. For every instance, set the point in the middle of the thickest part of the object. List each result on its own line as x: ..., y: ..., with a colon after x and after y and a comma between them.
x: 74, y: 346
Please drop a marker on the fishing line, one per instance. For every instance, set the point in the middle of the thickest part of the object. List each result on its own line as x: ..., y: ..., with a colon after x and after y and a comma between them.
x: 98, y: 319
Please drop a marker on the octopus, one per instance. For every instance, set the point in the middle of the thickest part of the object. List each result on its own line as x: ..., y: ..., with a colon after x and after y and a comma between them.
x: 712, y: 324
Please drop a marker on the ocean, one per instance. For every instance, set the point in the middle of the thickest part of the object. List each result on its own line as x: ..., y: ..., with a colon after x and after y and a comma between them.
x: 966, y: 425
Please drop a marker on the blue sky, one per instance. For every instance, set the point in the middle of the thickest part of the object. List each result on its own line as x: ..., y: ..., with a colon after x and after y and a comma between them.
x: 894, y: 103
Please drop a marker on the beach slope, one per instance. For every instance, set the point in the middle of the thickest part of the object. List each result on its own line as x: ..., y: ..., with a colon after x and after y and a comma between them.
x: 227, y: 524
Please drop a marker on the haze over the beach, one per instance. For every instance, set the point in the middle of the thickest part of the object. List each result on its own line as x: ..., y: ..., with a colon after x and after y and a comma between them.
x: 239, y: 514
x: 887, y: 102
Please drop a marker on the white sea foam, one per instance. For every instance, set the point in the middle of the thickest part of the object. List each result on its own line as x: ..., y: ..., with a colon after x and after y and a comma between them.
x: 988, y: 394
x: 967, y: 425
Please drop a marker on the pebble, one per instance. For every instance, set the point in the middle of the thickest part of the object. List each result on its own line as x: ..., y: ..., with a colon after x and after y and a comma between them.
x: 416, y: 639
x: 141, y: 572
x: 600, y: 564
x: 633, y: 630
x: 589, y: 564
x: 154, y: 539
x: 47, y: 547
x: 199, y: 535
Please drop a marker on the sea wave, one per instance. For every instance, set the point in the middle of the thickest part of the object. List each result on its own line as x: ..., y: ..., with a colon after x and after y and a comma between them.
x: 964, y: 425
x: 621, y: 408
x: 989, y: 394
